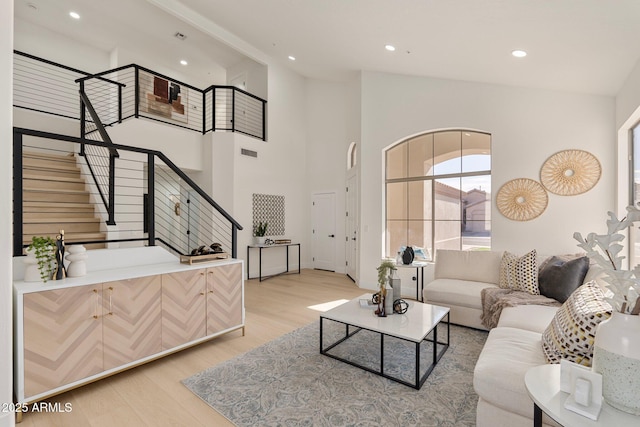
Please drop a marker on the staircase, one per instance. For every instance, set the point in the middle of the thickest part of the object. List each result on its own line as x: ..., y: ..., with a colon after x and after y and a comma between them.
x: 55, y: 198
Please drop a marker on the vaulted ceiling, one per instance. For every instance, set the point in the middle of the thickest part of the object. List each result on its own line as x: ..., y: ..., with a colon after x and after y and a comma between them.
x: 587, y: 46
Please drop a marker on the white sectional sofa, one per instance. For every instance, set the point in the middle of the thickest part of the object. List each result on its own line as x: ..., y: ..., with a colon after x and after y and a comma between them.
x: 459, y: 278
x: 512, y: 347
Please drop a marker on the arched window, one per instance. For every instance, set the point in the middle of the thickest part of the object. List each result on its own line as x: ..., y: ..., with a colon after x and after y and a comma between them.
x: 352, y: 155
x: 438, y: 192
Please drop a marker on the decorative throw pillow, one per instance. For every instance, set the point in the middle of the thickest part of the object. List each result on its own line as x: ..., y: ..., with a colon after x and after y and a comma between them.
x: 558, y: 279
x: 571, y: 333
x: 520, y: 273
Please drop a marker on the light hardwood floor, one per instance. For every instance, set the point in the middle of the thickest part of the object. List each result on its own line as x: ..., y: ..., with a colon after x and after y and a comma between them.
x: 152, y: 395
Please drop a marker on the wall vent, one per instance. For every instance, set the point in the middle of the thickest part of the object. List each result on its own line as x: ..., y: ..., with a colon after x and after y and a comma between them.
x: 249, y: 153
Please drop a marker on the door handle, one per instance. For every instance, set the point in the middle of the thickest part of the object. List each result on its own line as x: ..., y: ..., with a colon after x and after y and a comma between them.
x: 332, y: 235
x: 353, y: 238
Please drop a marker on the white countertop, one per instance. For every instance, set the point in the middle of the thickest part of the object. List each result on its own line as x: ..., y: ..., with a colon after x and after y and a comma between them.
x: 107, y: 265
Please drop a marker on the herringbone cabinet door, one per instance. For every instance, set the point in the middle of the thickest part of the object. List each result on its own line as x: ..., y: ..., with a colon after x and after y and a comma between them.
x: 62, y: 338
x: 183, y: 307
x: 131, y: 310
x: 224, y: 297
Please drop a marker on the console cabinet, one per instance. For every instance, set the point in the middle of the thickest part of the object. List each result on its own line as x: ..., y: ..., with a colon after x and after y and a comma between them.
x: 71, y: 335
x: 199, y: 303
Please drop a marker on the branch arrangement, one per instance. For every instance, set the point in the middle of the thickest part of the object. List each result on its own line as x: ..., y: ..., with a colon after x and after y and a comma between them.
x: 604, y: 250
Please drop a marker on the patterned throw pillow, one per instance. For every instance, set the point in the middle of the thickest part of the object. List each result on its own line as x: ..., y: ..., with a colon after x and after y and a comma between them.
x: 520, y: 273
x: 571, y: 333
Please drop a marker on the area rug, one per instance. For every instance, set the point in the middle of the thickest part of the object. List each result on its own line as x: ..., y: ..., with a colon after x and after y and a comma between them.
x: 287, y: 382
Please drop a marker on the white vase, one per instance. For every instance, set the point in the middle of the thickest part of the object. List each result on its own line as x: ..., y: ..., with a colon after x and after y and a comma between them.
x: 616, y: 355
x: 31, y: 272
x: 388, y: 302
x: 394, y: 282
x: 77, y: 255
x: 259, y: 240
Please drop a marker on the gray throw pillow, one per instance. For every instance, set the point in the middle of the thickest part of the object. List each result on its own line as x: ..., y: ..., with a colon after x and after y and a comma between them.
x: 558, y: 278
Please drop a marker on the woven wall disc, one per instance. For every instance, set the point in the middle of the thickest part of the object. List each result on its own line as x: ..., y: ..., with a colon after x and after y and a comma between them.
x: 570, y: 172
x: 522, y: 199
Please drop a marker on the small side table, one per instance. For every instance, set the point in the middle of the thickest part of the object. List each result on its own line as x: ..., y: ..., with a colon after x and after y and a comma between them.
x: 543, y: 386
x: 419, y: 266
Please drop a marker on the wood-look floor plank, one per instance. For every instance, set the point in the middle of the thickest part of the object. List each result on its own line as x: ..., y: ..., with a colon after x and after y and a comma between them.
x: 153, y: 395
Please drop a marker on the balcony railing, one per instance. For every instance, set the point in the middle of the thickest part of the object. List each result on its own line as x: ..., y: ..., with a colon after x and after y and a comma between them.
x: 135, y: 91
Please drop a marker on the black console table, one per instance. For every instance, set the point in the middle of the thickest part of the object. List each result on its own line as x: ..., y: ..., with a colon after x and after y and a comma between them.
x: 260, y: 248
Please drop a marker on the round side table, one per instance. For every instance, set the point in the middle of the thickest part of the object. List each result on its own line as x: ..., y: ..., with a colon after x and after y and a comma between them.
x: 543, y: 385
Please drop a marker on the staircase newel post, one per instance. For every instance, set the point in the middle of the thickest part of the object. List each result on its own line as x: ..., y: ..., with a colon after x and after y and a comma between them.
x: 233, y: 110
x: 112, y: 188
x: 17, y: 194
x: 213, y: 109
x: 204, y: 112
x: 137, y: 94
x: 234, y: 241
x: 264, y: 121
x: 119, y: 104
x: 151, y: 224
x: 83, y: 118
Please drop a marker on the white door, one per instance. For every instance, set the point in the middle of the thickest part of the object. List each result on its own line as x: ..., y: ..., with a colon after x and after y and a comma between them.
x: 352, y: 227
x: 324, y: 231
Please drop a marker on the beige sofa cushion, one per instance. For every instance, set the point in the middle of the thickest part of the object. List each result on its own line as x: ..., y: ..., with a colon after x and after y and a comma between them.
x: 476, y: 266
x: 499, y: 373
x: 533, y: 318
x: 464, y: 293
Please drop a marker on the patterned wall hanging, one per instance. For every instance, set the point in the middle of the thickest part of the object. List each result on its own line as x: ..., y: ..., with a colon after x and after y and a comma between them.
x: 522, y: 199
x: 270, y: 209
x: 570, y: 172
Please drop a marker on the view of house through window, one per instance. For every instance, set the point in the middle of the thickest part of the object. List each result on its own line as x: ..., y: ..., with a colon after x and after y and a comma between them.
x: 438, y: 192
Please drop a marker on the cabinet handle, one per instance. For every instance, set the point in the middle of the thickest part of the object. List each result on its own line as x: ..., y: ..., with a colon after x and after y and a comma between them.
x: 95, y: 312
x: 201, y: 293
x: 110, y: 301
x: 202, y: 273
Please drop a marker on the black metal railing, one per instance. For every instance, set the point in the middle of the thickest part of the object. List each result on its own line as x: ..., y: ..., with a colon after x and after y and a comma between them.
x: 154, y: 201
x: 135, y: 91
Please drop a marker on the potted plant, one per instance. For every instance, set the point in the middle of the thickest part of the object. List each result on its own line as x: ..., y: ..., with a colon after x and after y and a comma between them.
x: 43, y: 248
x: 259, y: 231
x: 384, y: 272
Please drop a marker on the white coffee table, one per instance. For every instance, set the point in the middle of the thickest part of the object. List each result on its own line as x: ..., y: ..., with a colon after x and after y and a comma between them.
x: 543, y: 385
x: 415, y: 326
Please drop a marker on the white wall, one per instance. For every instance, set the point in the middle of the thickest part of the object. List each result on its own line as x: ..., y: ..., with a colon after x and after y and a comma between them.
x: 256, y: 75
x: 280, y: 168
x: 6, y: 233
x: 628, y: 98
x: 39, y: 41
x: 328, y: 116
x: 182, y: 147
x: 527, y: 126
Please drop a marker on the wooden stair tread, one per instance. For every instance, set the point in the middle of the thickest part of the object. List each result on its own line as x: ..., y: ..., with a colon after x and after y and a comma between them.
x: 54, y: 220
x: 60, y: 204
x: 73, y: 179
x: 48, y: 155
x: 48, y: 190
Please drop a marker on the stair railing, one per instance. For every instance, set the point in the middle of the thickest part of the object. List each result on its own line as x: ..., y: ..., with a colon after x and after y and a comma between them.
x: 103, y: 174
x: 155, y: 201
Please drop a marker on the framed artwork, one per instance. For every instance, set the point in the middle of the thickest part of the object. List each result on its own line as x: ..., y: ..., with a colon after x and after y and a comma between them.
x: 163, y: 98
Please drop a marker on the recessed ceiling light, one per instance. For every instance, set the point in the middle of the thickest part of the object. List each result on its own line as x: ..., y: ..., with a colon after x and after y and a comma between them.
x: 519, y: 53
x: 183, y: 62
x: 292, y: 58
x: 390, y: 48
x: 74, y: 15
